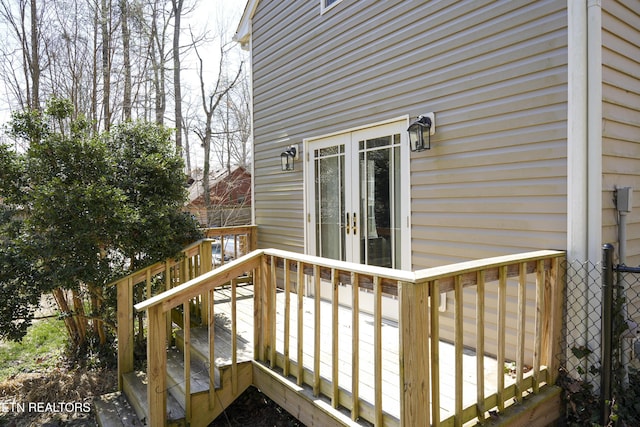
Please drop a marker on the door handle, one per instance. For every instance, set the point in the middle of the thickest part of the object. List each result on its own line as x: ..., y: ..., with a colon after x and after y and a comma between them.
x: 347, y: 224
x: 355, y: 224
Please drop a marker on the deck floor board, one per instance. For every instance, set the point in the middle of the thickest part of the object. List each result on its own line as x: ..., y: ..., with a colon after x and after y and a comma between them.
x: 390, y: 349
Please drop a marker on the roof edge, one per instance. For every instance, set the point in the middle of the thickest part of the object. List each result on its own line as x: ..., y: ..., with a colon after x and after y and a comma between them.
x: 243, y: 32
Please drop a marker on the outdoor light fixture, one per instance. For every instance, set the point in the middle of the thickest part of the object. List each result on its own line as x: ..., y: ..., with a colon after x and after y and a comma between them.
x: 287, y: 157
x: 420, y: 132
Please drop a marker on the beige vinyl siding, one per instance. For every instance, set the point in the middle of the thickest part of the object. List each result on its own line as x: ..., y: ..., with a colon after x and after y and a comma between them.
x: 495, y: 179
x: 494, y: 72
x: 621, y: 117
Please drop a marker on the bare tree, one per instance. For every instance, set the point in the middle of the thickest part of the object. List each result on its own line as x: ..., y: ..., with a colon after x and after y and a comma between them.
x: 124, y: 20
x: 234, y: 120
x: 210, y: 102
x: 27, y: 36
x: 177, y: 84
x: 35, y: 57
x: 111, y: 59
x: 105, y: 13
x: 157, y: 51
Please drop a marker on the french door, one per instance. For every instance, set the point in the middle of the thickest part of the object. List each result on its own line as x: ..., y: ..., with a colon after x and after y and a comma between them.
x: 358, y: 196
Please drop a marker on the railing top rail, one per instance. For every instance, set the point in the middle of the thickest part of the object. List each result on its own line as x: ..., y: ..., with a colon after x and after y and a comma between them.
x: 212, y: 235
x: 221, y: 231
x: 435, y: 273
x: 369, y: 270
x: 178, y: 295
x: 181, y: 293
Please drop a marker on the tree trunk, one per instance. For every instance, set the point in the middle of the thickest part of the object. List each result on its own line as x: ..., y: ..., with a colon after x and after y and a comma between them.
x: 70, y: 324
x: 35, y: 58
x: 97, y: 323
x: 157, y: 60
x: 80, y: 317
x: 126, y: 101
x: 94, y: 75
x: 177, y: 87
x: 106, y: 66
x: 187, y: 147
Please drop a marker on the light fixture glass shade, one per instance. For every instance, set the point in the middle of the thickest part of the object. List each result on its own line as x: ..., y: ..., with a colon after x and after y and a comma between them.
x: 420, y: 134
x: 286, y: 159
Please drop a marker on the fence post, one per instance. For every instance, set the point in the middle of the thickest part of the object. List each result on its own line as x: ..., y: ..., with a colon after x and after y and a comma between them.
x: 607, y: 325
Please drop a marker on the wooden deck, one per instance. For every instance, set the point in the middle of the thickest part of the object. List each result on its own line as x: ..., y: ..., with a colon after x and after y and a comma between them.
x: 390, y: 350
x: 313, y: 356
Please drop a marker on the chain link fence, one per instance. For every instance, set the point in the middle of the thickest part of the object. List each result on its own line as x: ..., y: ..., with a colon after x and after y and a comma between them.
x: 600, y: 363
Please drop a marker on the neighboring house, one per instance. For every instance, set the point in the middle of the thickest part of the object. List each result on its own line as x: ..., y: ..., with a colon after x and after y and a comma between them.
x: 537, y: 122
x: 230, y: 198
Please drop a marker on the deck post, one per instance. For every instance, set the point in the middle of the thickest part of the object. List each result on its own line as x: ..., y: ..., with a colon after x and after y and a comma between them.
x: 206, y: 265
x: 253, y: 239
x: 414, y: 354
x: 554, y: 284
x: 157, y: 367
x: 125, y: 328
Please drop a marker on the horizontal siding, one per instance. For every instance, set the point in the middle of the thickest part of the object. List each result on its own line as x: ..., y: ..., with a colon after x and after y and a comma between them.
x: 495, y: 74
x: 621, y: 118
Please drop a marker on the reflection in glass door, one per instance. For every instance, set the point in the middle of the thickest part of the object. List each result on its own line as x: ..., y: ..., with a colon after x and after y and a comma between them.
x: 329, y: 202
x: 379, y: 167
x: 355, y: 197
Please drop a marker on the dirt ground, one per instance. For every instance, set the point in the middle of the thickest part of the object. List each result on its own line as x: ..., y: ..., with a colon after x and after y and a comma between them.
x: 255, y: 409
x: 63, y: 398
x: 60, y: 397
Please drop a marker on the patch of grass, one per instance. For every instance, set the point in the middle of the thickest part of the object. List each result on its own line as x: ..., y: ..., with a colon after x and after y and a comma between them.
x: 41, y: 349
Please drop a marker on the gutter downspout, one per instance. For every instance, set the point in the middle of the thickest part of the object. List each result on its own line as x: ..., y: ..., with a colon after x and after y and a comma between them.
x: 577, y: 117
x: 594, y: 129
x: 584, y: 167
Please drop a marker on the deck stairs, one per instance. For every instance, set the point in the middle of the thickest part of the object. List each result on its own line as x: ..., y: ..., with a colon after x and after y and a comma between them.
x: 129, y: 407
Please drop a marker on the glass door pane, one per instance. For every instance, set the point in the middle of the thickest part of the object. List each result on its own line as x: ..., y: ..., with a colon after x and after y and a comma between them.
x: 330, y: 202
x: 380, y: 201
x: 354, y: 198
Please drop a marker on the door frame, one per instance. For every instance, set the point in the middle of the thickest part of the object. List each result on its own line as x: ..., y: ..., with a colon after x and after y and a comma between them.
x: 400, y: 124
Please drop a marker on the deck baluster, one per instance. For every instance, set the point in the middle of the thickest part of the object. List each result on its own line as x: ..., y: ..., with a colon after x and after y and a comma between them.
x: 335, y: 324
x: 300, y: 335
x: 355, y: 346
x: 480, y: 325
x: 459, y: 348
x: 502, y: 327
x: 434, y: 334
x: 377, y: 348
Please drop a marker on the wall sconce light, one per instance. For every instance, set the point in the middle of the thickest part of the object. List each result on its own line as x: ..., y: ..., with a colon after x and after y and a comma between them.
x: 420, y: 132
x: 288, y: 156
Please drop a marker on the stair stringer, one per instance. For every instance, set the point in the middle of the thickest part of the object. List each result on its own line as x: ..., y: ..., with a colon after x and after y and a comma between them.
x: 299, y: 401
x: 203, y: 414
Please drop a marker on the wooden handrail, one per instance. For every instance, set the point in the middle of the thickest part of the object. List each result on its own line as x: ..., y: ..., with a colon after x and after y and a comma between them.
x: 182, y: 293
x: 194, y: 260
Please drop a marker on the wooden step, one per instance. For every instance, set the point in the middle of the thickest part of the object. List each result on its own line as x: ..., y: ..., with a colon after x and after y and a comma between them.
x: 199, y: 375
x: 200, y: 345
x: 134, y: 385
x: 113, y: 410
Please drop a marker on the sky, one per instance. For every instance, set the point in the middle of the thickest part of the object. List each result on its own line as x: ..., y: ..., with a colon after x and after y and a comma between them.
x: 210, y: 14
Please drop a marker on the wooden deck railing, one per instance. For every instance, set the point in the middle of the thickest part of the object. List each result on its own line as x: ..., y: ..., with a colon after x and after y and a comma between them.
x: 195, y: 260
x: 290, y: 287
x: 417, y: 295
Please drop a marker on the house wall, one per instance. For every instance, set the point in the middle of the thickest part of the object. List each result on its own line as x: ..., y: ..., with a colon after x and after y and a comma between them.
x: 494, y: 73
x: 621, y: 118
